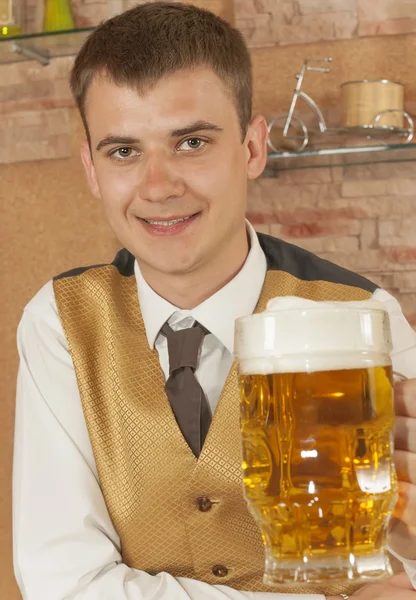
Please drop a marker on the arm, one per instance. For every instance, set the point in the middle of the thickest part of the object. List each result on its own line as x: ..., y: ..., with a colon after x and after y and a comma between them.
x: 65, y: 545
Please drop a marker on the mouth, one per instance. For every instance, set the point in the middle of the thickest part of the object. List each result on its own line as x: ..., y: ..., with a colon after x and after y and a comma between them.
x: 168, y: 223
x: 175, y: 225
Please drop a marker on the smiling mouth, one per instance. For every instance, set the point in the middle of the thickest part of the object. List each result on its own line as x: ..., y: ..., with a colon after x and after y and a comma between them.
x: 169, y: 223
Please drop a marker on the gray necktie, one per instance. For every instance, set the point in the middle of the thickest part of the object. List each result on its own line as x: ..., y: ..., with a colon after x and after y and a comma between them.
x: 187, y: 398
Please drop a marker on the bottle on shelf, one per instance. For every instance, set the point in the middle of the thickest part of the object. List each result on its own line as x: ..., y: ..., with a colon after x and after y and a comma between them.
x: 57, y: 16
x: 11, y: 18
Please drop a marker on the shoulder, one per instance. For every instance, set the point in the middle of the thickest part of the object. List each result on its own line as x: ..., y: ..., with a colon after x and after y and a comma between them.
x: 42, y: 308
x: 307, y: 266
x: 403, y: 335
x: 40, y: 333
x: 123, y: 263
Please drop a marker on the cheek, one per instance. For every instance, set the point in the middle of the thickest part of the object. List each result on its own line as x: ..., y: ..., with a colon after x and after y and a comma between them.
x: 227, y: 172
x: 117, y: 189
x: 231, y: 176
x: 233, y: 167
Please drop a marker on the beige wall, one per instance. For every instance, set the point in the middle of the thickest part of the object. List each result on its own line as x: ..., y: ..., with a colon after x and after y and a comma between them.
x: 49, y: 223
x: 362, y: 217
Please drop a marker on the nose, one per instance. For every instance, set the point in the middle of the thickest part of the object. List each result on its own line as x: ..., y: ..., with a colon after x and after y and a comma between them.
x: 159, y: 179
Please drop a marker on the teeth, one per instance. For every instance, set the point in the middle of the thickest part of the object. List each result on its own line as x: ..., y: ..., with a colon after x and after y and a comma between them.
x: 166, y: 223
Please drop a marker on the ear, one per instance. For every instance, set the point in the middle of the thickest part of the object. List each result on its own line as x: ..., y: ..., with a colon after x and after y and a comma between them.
x: 90, y: 169
x: 256, y: 141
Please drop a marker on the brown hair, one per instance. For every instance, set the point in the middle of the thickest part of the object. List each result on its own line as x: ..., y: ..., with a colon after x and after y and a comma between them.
x: 151, y: 40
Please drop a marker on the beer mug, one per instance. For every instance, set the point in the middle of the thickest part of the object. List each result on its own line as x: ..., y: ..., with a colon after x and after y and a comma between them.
x: 317, y: 419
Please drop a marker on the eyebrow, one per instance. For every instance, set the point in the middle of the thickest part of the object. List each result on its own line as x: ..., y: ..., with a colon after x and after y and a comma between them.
x: 192, y: 128
x: 115, y: 139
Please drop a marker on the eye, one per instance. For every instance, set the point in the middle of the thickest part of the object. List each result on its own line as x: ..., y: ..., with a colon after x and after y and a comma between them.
x: 123, y: 153
x: 192, y: 144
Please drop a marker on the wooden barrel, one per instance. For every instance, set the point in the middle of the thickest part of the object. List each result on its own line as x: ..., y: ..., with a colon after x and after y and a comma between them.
x: 363, y: 100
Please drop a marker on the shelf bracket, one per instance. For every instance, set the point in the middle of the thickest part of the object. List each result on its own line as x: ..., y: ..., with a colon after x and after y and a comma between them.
x: 32, y: 53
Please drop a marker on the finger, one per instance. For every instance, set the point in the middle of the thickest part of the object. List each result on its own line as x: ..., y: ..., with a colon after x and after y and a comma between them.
x: 405, y: 398
x: 401, y: 580
x: 387, y: 589
x: 402, y: 538
x: 405, y: 434
x: 405, y: 509
x: 405, y: 463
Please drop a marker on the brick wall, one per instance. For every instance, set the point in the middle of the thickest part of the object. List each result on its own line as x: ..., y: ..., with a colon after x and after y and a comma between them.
x: 87, y: 13
x: 271, y: 22
x: 361, y: 217
x: 274, y: 21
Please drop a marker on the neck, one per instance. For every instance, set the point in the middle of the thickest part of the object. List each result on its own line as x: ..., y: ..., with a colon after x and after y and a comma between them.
x: 188, y: 290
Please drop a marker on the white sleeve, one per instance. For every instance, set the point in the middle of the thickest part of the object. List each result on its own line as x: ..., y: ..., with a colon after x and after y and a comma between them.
x: 65, y: 544
x: 403, y: 336
x: 404, y: 362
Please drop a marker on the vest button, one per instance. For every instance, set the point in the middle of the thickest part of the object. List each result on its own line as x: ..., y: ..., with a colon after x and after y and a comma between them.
x: 220, y: 571
x: 204, y: 504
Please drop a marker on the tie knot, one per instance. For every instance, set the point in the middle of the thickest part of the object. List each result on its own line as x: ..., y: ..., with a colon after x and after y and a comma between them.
x: 183, y: 346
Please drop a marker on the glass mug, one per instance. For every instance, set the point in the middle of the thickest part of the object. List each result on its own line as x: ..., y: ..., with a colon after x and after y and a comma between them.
x: 317, y: 418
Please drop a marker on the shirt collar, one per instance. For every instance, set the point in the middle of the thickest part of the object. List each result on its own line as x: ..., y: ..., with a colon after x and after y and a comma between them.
x: 218, y: 312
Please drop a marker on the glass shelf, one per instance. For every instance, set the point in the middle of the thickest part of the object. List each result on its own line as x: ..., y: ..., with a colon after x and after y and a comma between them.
x: 42, y: 46
x: 335, y: 157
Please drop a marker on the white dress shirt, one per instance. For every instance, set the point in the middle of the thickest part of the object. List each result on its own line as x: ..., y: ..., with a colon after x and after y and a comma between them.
x: 65, y: 544
x: 217, y: 314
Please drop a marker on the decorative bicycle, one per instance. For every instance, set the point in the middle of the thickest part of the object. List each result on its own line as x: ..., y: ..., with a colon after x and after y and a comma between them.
x: 288, y: 126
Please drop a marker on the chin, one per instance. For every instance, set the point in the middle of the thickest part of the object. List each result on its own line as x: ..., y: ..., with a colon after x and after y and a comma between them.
x: 178, y: 265
x: 172, y: 268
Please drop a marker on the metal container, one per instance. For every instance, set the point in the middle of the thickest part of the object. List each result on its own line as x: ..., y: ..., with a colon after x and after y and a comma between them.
x: 363, y: 101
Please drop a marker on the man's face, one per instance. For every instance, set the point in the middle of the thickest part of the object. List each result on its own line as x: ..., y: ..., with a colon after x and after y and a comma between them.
x: 171, y: 169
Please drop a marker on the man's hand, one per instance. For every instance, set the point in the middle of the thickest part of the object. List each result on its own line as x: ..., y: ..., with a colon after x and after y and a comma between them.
x: 402, y: 530
x: 397, y: 587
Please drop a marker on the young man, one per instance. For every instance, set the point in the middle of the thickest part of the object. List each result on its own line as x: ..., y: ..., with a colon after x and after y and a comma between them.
x: 116, y: 495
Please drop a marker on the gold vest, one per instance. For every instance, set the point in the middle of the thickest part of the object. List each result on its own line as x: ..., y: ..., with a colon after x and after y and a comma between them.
x: 150, y: 479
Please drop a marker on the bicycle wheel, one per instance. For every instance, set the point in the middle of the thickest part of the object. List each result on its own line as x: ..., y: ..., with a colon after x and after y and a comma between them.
x: 296, y: 138
x: 407, y: 132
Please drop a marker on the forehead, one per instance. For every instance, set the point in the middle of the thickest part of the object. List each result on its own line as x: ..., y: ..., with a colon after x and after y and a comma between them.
x: 181, y: 96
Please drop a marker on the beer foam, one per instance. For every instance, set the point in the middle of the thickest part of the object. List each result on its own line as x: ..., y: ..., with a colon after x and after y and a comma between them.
x: 299, y: 335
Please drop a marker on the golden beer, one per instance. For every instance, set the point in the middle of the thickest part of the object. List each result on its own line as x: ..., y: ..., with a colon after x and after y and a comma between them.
x: 317, y: 461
